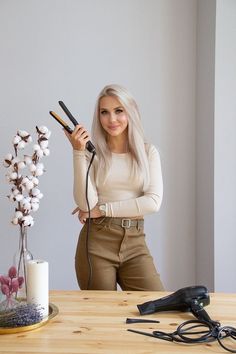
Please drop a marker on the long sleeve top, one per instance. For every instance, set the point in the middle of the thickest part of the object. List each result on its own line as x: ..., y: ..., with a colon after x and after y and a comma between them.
x: 122, y: 191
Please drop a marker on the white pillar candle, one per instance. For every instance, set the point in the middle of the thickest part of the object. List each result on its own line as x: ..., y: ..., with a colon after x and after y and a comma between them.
x: 37, y: 284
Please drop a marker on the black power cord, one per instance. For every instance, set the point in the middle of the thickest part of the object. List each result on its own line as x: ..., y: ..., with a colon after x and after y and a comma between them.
x: 197, y: 331
x: 88, y: 221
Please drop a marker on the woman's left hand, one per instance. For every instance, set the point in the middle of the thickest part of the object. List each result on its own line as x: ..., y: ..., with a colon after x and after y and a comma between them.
x: 83, y: 215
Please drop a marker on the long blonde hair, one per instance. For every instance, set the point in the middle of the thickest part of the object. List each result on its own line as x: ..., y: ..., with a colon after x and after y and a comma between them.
x: 136, y: 140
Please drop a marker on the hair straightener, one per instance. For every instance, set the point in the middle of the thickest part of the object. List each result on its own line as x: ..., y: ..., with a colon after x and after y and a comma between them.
x: 89, y: 146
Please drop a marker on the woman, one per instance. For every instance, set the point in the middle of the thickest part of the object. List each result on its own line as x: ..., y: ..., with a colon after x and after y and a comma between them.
x: 124, y: 184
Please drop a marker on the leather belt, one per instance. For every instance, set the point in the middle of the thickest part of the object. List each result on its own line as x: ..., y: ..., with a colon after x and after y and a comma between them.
x: 123, y: 222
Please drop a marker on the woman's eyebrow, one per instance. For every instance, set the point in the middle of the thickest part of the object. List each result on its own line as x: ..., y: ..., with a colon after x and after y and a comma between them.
x: 106, y: 109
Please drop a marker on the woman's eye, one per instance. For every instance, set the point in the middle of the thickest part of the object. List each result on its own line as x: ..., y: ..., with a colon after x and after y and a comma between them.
x: 103, y: 112
x: 118, y: 111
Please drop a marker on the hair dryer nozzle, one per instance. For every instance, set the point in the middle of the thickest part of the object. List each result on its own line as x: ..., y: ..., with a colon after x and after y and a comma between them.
x: 181, y: 300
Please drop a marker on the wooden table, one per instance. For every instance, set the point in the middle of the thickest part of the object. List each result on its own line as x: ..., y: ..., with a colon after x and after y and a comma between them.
x: 94, y: 322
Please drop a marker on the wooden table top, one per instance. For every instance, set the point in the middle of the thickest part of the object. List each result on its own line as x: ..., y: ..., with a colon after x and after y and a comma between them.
x: 94, y: 322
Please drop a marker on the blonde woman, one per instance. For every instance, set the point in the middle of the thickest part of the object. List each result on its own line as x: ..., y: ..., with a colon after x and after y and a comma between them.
x: 124, y: 184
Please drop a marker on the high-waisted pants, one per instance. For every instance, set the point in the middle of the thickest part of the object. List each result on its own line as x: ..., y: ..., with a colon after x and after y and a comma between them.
x: 117, y: 255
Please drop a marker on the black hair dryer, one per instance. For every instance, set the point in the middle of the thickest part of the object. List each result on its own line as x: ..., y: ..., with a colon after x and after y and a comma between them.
x: 191, y: 298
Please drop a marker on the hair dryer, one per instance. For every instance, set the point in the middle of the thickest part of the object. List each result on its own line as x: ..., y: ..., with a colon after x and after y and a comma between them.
x: 191, y: 298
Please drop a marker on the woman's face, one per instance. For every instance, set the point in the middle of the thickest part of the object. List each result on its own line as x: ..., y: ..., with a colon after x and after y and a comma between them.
x: 113, y: 117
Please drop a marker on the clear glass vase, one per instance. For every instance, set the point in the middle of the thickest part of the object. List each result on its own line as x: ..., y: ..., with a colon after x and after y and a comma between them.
x: 9, y: 303
x: 22, y: 256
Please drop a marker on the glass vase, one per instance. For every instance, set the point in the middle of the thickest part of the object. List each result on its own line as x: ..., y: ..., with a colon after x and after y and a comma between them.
x: 22, y: 256
x: 9, y: 303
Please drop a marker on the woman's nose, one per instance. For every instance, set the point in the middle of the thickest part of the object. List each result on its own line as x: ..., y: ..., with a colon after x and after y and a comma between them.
x: 112, y: 117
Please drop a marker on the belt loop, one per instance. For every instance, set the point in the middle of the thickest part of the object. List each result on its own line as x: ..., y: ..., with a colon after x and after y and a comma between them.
x: 140, y: 225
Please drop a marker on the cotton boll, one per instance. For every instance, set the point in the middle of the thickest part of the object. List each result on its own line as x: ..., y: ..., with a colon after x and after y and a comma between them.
x: 21, y: 145
x: 19, y: 197
x: 29, y: 185
x: 36, y: 147
x: 13, y: 175
x: 15, y: 160
x: 6, y: 163
x: 15, y: 221
x: 15, y: 191
x: 28, y: 220
x: 25, y: 180
x: 38, y: 172
x: 48, y: 134
x: 35, y: 192
x: 16, y: 140
x: 34, y: 200
x: 25, y: 221
x: 35, y: 206
x: 43, y: 129
x: 46, y: 152
x: 21, y: 165
x: 44, y: 144
x: 18, y: 214
x: 40, y: 166
x: 22, y: 133
x: 11, y: 198
x: 23, y: 202
x: 32, y: 167
x: 29, y: 139
x: 40, y: 195
x: 27, y: 160
x: 9, y: 157
x: 27, y: 206
x: 35, y: 181
x: 39, y: 153
x: 8, y: 160
x: 8, y: 180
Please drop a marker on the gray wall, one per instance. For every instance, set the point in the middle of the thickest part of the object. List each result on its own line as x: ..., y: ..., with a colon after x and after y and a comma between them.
x: 216, y: 145
x: 57, y: 49
x: 205, y: 99
x: 225, y: 147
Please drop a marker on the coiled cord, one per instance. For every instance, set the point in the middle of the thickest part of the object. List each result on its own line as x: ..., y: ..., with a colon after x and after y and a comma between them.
x: 197, y: 331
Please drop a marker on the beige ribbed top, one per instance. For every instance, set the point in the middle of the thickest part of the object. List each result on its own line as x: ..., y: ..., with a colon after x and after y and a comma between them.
x: 122, y: 191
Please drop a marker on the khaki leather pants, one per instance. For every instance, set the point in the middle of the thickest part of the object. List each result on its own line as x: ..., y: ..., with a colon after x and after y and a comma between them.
x: 118, y: 254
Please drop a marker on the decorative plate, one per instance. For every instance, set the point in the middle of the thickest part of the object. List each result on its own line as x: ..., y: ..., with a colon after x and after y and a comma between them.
x: 53, y: 311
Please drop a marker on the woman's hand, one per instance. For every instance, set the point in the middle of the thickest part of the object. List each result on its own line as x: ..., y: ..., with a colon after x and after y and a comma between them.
x: 78, y: 138
x: 83, y: 215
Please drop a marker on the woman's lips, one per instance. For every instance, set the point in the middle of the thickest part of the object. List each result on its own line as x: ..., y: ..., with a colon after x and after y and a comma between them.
x: 113, y: 127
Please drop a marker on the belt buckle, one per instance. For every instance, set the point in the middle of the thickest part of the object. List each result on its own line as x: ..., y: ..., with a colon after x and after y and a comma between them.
x: 126, y: 223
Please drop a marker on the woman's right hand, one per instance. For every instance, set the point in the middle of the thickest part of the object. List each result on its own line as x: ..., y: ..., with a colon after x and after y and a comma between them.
x: 78, y: 138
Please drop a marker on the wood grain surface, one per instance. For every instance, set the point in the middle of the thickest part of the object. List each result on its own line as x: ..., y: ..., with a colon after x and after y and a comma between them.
x: 94, y: 322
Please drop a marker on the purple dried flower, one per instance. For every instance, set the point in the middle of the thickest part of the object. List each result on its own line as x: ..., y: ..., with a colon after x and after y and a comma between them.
x: 5, y: 280
x: 20, y: 281
x: 12, y: 273
x: 23, y: 315
x: 5, y: 289
x: 14, y: 285
x: 10, y: 284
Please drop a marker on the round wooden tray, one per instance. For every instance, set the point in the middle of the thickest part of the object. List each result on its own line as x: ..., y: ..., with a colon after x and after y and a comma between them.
x: 53, y: 311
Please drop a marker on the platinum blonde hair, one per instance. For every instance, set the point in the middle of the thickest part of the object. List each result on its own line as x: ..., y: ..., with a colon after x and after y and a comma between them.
x: 136, y: 140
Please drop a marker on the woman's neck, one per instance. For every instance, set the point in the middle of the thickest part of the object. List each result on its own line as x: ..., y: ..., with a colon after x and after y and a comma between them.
x: 118, y: 145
